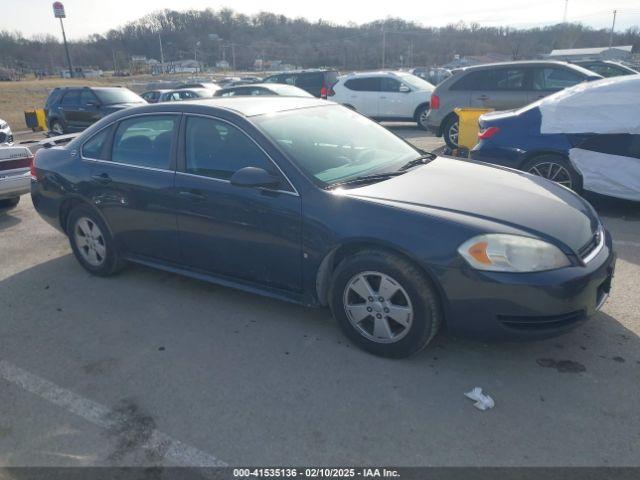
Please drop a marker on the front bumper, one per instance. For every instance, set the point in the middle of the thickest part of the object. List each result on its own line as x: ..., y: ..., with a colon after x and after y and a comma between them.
x: 14, y: 184
x: 527, y: 306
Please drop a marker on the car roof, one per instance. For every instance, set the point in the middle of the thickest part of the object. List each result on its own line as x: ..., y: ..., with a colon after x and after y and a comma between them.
x: 387, y: 73
x: 247, y: 106
x: 515, y: 63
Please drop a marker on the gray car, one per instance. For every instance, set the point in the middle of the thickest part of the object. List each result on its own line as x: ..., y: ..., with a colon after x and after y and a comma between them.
x: 498, y: 86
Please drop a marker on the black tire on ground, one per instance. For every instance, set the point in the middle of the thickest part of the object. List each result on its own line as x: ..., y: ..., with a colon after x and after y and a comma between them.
x: 547, y: 165
x: 450, y: 137
x: 111, y: 262
x: 421, y: 119
x: 426, y: 317
x: 9, y: 202
x: 57, y: 127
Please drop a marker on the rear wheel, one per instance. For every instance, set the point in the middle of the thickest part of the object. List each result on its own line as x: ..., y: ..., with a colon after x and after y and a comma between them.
x: 91, y: 242
x: 384, y: 304
x: 555, y: 168
x: 450, y: 131
x: 9, y: 202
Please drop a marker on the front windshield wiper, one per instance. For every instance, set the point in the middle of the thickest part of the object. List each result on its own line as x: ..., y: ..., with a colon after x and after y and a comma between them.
x: 421, y: 160
x: 363, y: 179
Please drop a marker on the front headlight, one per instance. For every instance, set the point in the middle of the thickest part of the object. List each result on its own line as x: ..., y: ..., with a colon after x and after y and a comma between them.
x: 512, y: 253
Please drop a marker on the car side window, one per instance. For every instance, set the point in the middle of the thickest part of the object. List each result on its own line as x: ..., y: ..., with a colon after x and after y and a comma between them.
x: 94, y: 148
x: 217, y: 149
x: 389, y: 85
x: 508, y: 79
x: 71, y: 98
x: 145, y: 141
x: 86, y: 97
x: 367, y: 84
x: 553, y: 79
x: 474, y: 81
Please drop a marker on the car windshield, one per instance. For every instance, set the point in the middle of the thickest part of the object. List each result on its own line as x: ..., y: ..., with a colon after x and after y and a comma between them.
x: 416, y: 82
x: 109, y: 96
x: 333, y: 144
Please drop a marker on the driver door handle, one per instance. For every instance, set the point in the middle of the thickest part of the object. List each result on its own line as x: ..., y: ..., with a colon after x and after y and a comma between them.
x: 483, y: 97
x: 193, y: 196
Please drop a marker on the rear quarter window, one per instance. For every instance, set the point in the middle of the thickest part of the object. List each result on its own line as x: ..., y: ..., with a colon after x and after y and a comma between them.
x: 95, y: 147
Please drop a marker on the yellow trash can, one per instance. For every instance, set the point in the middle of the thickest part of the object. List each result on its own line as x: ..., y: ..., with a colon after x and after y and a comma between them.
x: 468, y: 125
x: 35, y: 119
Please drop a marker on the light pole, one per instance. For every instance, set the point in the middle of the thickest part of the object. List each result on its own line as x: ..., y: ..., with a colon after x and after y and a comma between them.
x: 58, y: 12
x: 613, y: 25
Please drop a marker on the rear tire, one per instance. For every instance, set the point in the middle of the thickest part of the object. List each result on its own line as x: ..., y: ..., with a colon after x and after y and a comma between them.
x: 91, y: 242
x: 555, y: 168
x: 9, y: 202
x: 450, y: 130
x: 401, y: 313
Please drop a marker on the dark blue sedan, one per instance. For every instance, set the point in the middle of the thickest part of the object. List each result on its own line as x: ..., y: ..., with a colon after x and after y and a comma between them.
x: 308, y: 201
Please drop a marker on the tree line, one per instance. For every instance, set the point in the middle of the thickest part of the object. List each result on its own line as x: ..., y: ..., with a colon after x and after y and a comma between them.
x: 214, y: 35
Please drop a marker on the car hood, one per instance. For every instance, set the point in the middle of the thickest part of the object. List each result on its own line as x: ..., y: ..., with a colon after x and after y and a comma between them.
x: 520, y: 202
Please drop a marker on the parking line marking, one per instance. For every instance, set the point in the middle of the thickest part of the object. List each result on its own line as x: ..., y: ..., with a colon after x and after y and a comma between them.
x: 626, y: 243
x: 173, y: 450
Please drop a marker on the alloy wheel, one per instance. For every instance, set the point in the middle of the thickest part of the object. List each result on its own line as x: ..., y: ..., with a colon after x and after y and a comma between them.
x: 90, y: 241
x: 378, y: 307
x: 554, y: 172
x: 423, y: 118
x: 453, y: 133
x: 56, y: 127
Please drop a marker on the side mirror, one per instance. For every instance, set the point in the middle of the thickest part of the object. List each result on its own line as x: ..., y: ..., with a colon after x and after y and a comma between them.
x: 93, y: 104
x: 254, y: 177
x: 404, y: 89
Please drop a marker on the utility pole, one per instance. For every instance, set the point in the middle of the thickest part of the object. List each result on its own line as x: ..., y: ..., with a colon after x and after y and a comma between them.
x: 233, y: 56
x: 384, y: 46
x: 58, y: 12
x: 566, y: 5
x: 161, y: 53
x: 613, y: 25
x: 115, y: 64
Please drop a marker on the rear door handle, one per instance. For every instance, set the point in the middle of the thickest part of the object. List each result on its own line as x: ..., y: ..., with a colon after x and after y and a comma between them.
x: 103, y: 178
x: 483, y: 97
x: 193, y: 196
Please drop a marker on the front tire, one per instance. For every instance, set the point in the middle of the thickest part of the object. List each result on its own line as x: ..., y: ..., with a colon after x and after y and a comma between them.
x: 450, y: 131
x: 57, y: 127
x: 555, y: 168
x: 421, y: 117
x: 91, y: 242
x: 384, y: 304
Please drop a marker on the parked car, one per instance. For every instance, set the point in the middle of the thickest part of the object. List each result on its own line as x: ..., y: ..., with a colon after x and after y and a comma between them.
x: 153, y: 96
x: 388, y: 96
x: 185, y: 94
x: 317, y: 82
x: 15, y: 167
x: 262, y: 89
x: 500, y: 86
x: 606, y: 68
x: 433, y: 75
x: 307, y: 201
x: 208, y: 85
x: 6, y: 136
x: 587, y: 137
x: 72, y: 109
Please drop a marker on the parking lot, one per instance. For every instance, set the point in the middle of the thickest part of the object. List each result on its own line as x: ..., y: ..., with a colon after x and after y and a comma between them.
x: 151, y: 368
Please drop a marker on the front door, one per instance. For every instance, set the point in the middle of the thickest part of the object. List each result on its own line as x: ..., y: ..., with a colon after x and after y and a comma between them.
x: 249, y: 234
x: 548, y: 80
x: 133, y: 185
x: 393, y: 102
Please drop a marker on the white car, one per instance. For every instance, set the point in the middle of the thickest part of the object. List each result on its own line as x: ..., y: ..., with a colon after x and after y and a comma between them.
x: 15, y: 174
x: 6, y: 137
x: 385, y: 96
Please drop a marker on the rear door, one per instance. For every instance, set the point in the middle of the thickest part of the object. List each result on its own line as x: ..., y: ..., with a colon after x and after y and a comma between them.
x: 89, y: 108
x: 133, y: 179
x: 500, y: 88
x: 363, y: 93
x: 548, y: 80
x: 69, y: 107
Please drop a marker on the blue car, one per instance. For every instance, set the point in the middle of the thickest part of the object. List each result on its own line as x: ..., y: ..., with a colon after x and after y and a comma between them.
x: 585, y: 137
x: 307, y: 201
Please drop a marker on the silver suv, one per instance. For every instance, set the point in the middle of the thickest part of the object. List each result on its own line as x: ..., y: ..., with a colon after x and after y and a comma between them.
x: 499, y: 86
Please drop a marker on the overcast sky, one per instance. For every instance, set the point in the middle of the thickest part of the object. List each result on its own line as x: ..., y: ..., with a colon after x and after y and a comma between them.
x: 98, y: 16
